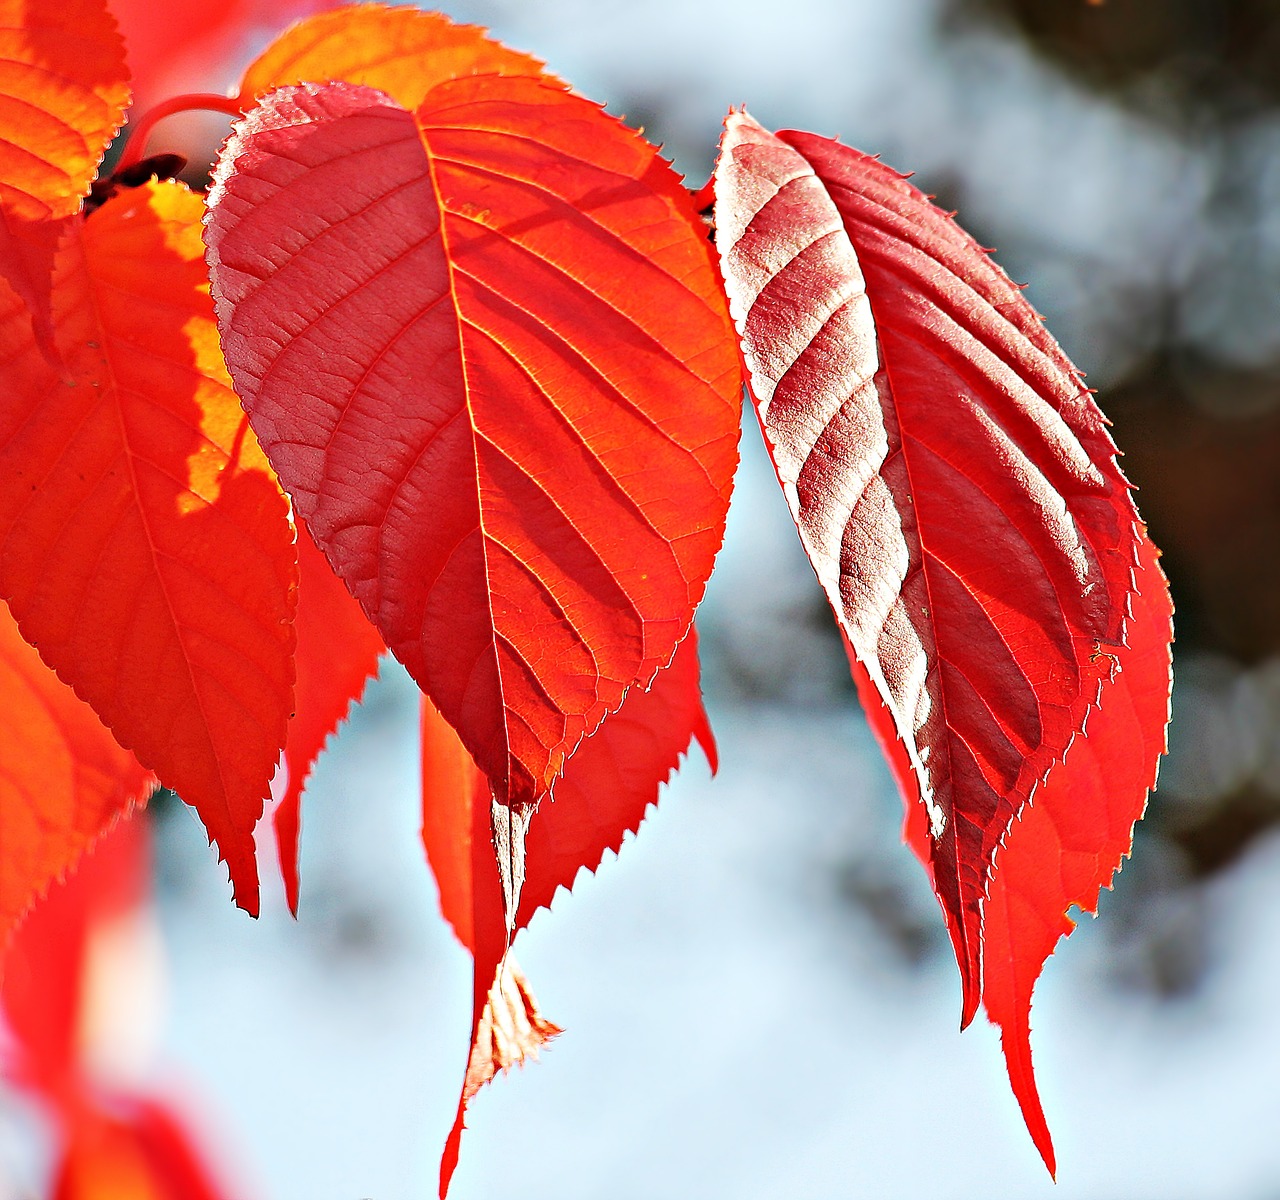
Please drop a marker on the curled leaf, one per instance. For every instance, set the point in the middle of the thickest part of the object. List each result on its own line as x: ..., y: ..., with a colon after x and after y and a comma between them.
x: 606, y: 789
x: 952, y: 480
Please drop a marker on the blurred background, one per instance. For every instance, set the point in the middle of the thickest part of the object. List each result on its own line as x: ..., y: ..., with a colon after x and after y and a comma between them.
x: 758, y: 995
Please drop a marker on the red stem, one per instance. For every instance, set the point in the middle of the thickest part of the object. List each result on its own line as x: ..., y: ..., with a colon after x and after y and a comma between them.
x: 192, y: 102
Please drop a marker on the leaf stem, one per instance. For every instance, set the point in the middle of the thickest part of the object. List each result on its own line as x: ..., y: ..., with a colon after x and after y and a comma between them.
x: 136, y: 146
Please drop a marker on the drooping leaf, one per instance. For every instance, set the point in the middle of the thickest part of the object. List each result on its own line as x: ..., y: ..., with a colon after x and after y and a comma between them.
x: 145, y: 548
x: 400, y: 51
x: 63, y: 778
x: 952, y: 480
x: 63, y: 91
x: 488, y: 355
x: 1070, y: 841
x: 607, y: 787
x: 337, y: 654
x: 507, y: 1027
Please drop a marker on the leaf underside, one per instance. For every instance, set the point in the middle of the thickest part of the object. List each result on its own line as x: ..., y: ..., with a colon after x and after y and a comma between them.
x: 952, y: 481
x: 1007, y: 622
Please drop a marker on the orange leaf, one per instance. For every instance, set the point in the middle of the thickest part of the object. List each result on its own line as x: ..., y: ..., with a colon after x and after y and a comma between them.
x: 141, y: 1152
x: 144, y: 545
x: 337, y: 654
x: 63, y: 778
x: 63, y: 91
x: 400, y: 51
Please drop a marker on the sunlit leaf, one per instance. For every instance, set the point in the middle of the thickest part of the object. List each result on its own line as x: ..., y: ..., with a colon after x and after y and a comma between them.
x: 63, y: 91
x: 145, y: 548
x: 520, y: 457
x: 400, y: 51
x: 336, y: 656
x: 607, y: 787
x: 63, y: 778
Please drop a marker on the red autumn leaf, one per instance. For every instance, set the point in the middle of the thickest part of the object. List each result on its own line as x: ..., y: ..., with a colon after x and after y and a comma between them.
x: 336, y: 656
x: 63, y: 779
x: 109, y: 1146
x: 63, y: 91
x: 144, y: 544
x: 607, y: 787
x: 487, y: 353
x: 400, y: 51
x: 1071, y: 840
x: 952, y: 480
x: 194, y: 46
x: 613, y: 777
x: 46, y: 987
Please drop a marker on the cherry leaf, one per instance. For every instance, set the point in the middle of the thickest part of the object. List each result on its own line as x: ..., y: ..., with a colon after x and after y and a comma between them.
x: 613, y: 778
x: 65, y: 780
x: 400, y: 51
x: 337, y: 654
x: 487, y: 353
x: 952, y: 480
x: 47, y: 983
x: 1069, y: 842
x: 63, y: 91
x: 1071, y: 839
x: 607, y: 787
x: 145, y: 548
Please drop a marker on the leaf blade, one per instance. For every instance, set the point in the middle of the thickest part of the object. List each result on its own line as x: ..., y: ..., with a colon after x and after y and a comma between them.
x: 909, y: 396
x: 606, y: 790
x: 336, y: 656
x: 64, y: 93
x: 400, y: 51
x: 508, y: 538
x: 144, y: 544
x: 65, y: 778
x: 1072, y: 839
